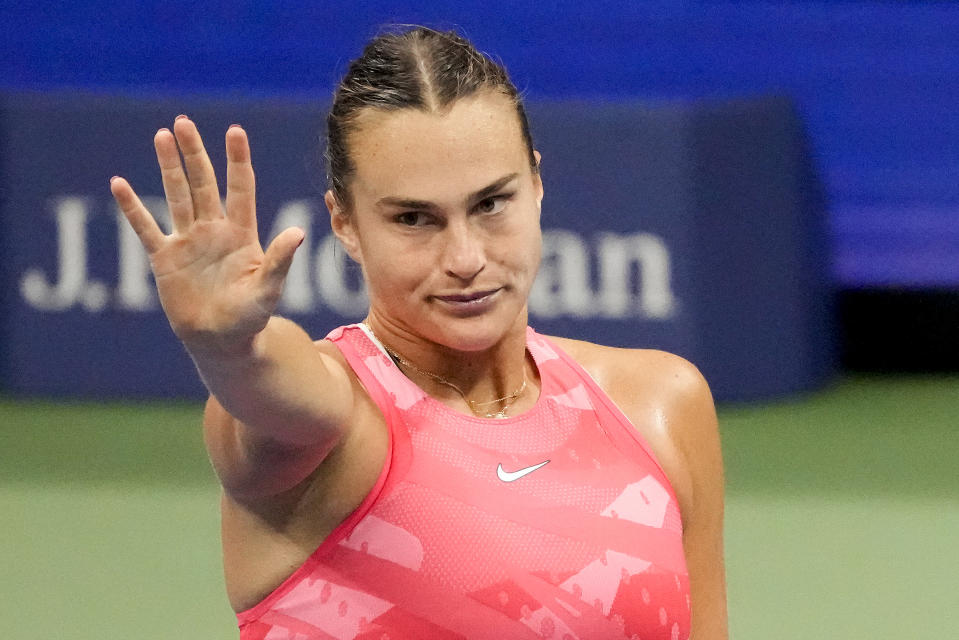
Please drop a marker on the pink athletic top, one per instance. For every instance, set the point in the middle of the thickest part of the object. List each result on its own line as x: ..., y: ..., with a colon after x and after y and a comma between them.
x: 556, y: 523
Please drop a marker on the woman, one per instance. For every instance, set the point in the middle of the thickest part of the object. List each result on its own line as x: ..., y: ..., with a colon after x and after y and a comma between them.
x: 440, y: 470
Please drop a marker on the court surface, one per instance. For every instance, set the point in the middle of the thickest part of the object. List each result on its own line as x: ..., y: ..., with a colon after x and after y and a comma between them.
x: 842, y: 517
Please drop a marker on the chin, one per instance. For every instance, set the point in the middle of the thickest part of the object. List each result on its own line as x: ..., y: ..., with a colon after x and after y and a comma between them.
x: 474, y: 334
x: 473, y: 342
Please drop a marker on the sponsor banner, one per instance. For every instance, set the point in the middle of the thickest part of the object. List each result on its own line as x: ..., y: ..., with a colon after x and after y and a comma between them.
x: 647, y: 242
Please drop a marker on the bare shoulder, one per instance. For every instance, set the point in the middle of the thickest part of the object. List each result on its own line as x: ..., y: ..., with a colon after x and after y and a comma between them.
x: 666, y: 398
x: 642, y: 378
x: 664, y: 375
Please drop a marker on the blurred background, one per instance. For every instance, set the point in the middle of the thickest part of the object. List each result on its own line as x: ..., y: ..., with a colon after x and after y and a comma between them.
x: 770, y: 189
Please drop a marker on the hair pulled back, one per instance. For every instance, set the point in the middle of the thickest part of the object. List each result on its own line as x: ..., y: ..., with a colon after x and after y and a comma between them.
x: 418, y: 68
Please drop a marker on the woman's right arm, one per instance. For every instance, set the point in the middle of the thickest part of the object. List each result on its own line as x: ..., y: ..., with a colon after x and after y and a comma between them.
x: 278, y: 403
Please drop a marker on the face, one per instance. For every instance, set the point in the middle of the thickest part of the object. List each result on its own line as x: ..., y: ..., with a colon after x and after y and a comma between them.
x: 444, y: 220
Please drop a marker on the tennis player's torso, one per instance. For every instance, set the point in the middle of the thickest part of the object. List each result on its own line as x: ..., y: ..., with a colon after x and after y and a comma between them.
x: 522, y: 530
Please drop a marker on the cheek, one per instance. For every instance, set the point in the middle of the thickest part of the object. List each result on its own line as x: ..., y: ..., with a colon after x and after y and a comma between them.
x: 392, y: 273
x: 533, y: 252
x: 528, y: 241
x: 521, y: 253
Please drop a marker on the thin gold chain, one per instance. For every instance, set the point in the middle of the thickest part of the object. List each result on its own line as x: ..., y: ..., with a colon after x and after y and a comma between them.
x: 507, y: 400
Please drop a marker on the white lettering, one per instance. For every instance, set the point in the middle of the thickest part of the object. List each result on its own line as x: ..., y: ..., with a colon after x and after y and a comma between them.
x: 72, y: 286
x: 617, y: 256
x: 563, y: 286
x: 297, y: 294
x: 614, y: 276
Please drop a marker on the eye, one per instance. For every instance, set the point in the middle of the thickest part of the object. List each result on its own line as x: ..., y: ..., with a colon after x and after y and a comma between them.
x: 411, y: 218
x: 493, y: 204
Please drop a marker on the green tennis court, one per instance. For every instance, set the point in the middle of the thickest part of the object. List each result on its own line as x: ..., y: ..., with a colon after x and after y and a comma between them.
x: 842, y: 517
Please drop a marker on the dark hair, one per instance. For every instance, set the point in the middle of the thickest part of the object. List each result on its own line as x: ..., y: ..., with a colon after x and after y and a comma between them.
x: 417, y: 68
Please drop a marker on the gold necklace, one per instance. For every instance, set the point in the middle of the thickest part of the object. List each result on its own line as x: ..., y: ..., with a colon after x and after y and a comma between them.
x: 507, y: 400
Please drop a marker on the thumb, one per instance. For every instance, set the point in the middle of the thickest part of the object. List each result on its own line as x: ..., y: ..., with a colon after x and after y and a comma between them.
x: 277, y: 260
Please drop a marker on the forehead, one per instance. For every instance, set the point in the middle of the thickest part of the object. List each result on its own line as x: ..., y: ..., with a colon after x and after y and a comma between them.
x: 437, y: 155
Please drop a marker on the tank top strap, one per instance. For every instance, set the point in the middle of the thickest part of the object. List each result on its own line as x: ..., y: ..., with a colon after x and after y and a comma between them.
x: 614, y: 422
x: 382, y: 379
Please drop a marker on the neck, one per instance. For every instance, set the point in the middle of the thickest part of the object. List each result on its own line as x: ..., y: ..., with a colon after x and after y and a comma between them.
x: 462, y: 376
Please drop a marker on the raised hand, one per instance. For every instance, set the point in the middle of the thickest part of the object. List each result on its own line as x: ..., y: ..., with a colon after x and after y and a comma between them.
x: 217, y: 286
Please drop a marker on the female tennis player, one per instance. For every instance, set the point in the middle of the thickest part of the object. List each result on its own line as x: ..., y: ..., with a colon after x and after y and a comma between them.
x: 439, y: 470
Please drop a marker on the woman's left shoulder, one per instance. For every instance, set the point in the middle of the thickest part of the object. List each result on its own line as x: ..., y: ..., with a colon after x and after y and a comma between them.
x: 667, y: 399
x: 641, y: 377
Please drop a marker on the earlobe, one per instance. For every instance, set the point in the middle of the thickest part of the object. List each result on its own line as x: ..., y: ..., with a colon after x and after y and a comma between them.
x: 343, y: 228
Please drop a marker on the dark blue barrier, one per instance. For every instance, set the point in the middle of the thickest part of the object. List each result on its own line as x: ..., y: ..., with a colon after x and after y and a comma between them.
x: 694, y: 228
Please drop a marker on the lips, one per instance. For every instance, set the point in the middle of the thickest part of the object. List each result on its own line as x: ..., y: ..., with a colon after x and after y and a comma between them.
x: 469, y: 304
x: 465, y: 298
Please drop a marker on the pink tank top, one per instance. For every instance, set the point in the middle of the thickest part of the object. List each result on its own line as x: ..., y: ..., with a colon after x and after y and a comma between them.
x: 556, y: 523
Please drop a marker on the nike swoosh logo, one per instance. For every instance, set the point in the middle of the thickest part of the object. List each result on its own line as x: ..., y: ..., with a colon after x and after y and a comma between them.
x: 510, y: 476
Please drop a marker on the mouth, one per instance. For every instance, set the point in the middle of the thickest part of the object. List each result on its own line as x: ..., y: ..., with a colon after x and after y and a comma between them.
x: 471, y: 302
x: 467, y: 298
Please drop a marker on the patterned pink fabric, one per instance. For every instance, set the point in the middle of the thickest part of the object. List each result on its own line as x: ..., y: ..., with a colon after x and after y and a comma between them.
x: 557, y: 523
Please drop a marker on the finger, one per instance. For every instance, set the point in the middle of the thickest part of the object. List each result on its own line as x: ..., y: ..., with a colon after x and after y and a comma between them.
x: 175, y: 185
x: 145, y: 226
x: 203, y: 188
x: 276, y: 264
x: 240, y: 180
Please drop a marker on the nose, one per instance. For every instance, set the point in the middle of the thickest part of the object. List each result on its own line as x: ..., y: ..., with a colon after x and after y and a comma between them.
x: 464, y: 255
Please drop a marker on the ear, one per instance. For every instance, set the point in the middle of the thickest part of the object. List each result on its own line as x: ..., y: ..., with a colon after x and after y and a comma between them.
x: 538, y: 177
x: 343, y: 226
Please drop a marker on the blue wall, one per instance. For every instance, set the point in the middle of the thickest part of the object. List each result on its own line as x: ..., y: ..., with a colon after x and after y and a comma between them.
x: 698, y: 234
x: 876, y: 82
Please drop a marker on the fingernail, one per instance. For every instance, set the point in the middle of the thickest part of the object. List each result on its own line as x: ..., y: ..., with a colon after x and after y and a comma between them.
x: 182, y: 115
x: 163, y: 129
x: 113, y: 178
x: 235, y: 125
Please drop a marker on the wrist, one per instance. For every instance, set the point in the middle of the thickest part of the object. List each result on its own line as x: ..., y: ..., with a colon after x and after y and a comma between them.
x: 228, y: 350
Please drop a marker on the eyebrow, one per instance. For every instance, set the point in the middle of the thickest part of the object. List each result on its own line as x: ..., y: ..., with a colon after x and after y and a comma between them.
x: 485, y: 192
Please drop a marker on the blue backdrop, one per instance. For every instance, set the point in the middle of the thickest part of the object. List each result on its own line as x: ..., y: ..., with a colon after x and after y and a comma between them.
x: 694, y: 228
x: 876, y: 82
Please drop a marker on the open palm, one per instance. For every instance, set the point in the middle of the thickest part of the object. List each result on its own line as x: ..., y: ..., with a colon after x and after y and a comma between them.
x: 217, y: 286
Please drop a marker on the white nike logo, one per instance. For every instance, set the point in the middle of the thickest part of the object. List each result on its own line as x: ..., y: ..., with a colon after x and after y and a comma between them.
x: 510, y: 476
